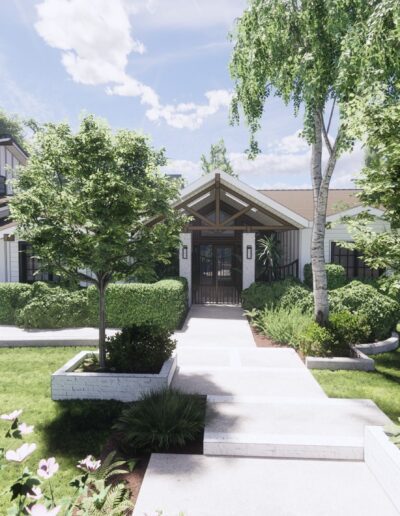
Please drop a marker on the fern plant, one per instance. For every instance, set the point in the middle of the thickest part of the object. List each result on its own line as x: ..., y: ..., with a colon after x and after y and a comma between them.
x: 97, y: 492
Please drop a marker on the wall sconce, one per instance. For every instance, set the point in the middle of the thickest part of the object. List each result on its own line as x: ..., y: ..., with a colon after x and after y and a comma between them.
x: 185, y: 252
x: 249, y: 252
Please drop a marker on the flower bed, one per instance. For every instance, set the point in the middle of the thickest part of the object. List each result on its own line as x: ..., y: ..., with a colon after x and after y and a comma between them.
x: 68, y: 384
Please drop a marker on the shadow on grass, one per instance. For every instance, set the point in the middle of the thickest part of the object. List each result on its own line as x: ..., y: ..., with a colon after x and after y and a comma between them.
x: 80, y: 428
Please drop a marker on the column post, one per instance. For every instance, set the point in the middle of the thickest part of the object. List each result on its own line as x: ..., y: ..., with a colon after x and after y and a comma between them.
x: 248, y: 259
x: 185, y: 261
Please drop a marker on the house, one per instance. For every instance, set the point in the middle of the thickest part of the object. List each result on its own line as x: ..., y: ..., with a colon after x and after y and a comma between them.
x: 218, y: 252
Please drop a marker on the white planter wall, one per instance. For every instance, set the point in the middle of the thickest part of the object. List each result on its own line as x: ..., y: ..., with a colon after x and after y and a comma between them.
x: 66, y: 384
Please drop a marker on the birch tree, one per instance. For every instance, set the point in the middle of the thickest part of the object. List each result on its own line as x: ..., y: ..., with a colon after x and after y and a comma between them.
x: 83, y: 201
x: 318, y: 56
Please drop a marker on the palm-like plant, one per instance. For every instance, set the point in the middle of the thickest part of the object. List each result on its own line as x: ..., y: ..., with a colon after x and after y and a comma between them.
x: 269, y: 254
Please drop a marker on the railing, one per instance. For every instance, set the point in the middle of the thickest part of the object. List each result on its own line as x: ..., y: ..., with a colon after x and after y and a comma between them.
x: 205, y: 294
x: 282, y: 272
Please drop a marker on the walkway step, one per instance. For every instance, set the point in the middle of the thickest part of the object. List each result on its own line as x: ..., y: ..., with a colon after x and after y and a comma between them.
x: 289, y: 428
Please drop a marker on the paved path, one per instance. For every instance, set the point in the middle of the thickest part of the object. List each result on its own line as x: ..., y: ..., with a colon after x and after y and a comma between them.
x: 262, y: 402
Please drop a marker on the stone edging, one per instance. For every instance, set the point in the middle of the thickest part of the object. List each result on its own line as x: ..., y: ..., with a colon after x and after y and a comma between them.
x: 383, y: 460
x: 361, y: 362
x: 66, y: 384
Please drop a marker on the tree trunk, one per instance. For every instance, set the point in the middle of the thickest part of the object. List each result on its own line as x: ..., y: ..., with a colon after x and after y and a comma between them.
x: 321, y: 184
x: 320, y: 195
x: 102, y: 323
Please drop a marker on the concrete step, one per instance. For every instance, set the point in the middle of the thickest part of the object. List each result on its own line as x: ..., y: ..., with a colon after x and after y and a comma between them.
x: 315, y: 428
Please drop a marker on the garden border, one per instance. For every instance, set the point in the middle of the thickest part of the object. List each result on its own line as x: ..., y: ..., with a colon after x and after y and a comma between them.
x: 66, y: 384
x: 362, y: 362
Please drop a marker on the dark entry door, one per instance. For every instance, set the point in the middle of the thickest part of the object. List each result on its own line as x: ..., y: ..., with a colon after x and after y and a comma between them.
x: 216, y: 274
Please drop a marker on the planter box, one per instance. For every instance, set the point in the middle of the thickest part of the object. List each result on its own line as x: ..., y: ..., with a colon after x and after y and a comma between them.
x: 359, y: 363
x: 67, y: 384
x: 383, y: 459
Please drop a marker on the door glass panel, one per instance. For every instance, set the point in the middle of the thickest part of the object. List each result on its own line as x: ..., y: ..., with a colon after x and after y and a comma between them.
x: 224, y: 265
x: 206, y: 265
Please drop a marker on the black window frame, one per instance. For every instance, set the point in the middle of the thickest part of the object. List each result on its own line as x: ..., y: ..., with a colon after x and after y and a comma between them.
x: 353, y: 262
x: 29, y: 266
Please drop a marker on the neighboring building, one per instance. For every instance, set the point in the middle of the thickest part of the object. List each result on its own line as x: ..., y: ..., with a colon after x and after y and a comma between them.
x: 218, y: 253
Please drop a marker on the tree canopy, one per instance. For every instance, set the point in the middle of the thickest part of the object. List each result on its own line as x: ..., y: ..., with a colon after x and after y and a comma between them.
x: 84, y: 201
x: 218, y: 160
x: 13, y: 126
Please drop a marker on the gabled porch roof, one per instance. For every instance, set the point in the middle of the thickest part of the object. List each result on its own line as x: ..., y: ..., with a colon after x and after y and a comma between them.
x: 219, y: 188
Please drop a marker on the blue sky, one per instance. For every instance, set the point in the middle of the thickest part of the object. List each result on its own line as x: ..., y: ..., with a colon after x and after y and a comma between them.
x: 157, y: 66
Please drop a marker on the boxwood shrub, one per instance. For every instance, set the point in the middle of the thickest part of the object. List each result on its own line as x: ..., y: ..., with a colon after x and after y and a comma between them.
x: 335, y: 275
x: 266, y: 295
x: 39, y: 305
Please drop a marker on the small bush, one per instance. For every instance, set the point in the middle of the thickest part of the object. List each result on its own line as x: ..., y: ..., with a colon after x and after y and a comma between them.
x: 316, y: 341
x: 283, y: 326
x: 294, y: 297
x: 139, y: 349
x: 381, y: 312
x: 13, y: 296
x: 335, y: 275
x: 161, y: 304
x: 265, y: 295
x: 347, y: 328
x: 54, y: 307
x: 162, y: 420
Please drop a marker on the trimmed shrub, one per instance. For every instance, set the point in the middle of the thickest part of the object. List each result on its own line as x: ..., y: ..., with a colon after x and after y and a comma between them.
x: 294, y: 297
x: 335, y: 275
x: 381, y: 312
x: 54, y: 307
x: 13, y: 296
x: 162, y: 420
x: 316, y: 341
x: 160, y: 304
x: 139, y: 349
x: 283, y: 326
x: 348, y: 328
x: 265, y: 295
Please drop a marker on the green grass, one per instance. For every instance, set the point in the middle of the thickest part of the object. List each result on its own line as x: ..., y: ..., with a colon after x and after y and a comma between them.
x: 66, y: 430
x: 382, y: 385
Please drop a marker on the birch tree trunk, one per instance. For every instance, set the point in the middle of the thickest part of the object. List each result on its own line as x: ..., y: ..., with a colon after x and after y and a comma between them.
x: 321, y: 182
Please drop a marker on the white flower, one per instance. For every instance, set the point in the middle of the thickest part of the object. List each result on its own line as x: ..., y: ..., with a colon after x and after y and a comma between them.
x: 89, y: 464
x: 40, y: 510
x: 25, y: 429
x: 47, y: 468
x: 21, y: 453
x: 11, y: 416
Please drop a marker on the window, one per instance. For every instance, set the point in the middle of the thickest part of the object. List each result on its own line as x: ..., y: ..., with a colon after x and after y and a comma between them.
x: 3, y: 187
x: 28, y: 266
x: 352, y: 262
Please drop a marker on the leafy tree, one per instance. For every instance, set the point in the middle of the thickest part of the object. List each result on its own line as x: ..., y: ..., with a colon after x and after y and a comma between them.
x: 318, y: 55
x: 13, y: 126
x: 218, y: 160
x: 380, y: 183
x: 83, y: 202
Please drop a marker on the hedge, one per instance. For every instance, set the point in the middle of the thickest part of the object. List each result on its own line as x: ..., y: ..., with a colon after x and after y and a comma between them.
x: 40, y: 306
x: 335, y: 275
x: 266, y: 295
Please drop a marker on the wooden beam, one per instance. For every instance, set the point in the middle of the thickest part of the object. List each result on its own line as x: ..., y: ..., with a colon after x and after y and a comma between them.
x: 217, y: 199
x: 198, y: 215
x: 249, y: 229
x: 236, y: 215
x: 194, y: 197
x: 256, y: 206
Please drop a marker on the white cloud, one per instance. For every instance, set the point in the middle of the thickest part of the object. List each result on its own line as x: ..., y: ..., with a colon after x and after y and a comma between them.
x: 96, y: 42
x: 285, y: 165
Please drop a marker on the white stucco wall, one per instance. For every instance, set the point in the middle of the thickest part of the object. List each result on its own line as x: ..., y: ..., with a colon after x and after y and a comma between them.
x: 9, y: 261
x: 185, y: 265
x: 249, y: 269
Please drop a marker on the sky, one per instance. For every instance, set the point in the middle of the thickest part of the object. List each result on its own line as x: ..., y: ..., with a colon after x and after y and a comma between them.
x: 160, y: 67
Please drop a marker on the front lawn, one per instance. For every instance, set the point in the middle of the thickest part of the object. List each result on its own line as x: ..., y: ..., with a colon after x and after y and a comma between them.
x: 66, y: 430
x: 382, y: 385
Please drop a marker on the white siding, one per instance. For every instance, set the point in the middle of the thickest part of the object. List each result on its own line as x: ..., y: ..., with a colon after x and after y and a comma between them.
x: 9, y: 261
x: 289, y: 242
x: 304, y: 249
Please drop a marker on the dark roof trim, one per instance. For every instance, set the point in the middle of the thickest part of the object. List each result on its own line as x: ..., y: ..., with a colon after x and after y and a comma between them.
x: 7, y: 139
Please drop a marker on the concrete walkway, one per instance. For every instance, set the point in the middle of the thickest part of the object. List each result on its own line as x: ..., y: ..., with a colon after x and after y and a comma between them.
x: 265, y: 409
